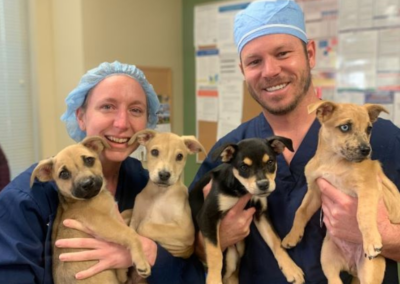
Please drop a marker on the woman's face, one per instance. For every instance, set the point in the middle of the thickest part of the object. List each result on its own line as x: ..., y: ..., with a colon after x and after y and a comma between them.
x: 115, y: 109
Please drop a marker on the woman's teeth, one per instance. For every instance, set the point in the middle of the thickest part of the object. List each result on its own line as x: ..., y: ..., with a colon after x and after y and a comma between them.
x: 277, y: 87
x: 117, y: 140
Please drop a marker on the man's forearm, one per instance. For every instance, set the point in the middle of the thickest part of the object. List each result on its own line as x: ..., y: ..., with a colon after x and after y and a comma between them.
x: 391, y: 242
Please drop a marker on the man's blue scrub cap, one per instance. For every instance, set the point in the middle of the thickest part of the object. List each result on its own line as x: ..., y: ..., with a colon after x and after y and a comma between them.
x: 76, y: 98
x: 266, y: 17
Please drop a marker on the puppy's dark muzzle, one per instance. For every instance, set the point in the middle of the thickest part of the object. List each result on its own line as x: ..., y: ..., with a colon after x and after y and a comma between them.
x: 88, y: 187
x: 263, y: 185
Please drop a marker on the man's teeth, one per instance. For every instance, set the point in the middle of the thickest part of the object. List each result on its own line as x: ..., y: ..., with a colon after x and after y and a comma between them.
x: 117, y: 140
x: 277, y: 87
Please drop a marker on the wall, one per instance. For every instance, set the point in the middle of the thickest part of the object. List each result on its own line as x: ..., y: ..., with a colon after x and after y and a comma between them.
x: 70, y: 37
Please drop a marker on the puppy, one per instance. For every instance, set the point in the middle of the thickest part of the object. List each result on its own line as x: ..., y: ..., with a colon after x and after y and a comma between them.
x: 248, y: 167
x: 162, y: 212
x: 343, y: 158
x: 83, y: 196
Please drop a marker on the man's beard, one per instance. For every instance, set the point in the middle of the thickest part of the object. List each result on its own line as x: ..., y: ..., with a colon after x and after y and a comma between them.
x: 300, y: 93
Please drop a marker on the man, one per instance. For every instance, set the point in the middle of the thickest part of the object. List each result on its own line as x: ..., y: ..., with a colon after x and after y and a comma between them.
x: 276, y: 58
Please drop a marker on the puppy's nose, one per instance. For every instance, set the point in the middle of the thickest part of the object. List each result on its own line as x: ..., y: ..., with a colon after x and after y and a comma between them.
x: 87, y: 183
x: 164, y: 175
x: 365, y: 150
x: 263, y: 184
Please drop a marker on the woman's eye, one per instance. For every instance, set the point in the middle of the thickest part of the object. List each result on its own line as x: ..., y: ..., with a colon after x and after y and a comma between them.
x: 345, y: 127
x: 137, y: 111
x: 106, y: 107
x: 154, y: 152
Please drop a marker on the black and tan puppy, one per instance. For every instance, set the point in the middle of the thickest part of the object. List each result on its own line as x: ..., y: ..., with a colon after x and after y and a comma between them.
x: 343, y: 158
x: 248, y: 167
x: 83, y: 196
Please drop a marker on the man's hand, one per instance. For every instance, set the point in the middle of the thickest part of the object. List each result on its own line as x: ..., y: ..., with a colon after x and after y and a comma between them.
x: 108, y: 254
x: 235, y: 226
x: 340, y: 213
x: 340, y: 218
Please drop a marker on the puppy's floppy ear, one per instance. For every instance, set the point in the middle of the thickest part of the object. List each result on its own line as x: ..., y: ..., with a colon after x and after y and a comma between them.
x: 95, y: 143
x: 324, y: 109
x: 142, y: 137
x: 226, y: 152
x: 278, y: 143
x: 43, y: 171
x: 374, y: 111
x: 193, y: 144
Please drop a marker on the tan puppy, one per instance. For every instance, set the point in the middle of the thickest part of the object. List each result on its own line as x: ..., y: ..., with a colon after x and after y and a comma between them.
x: 161, y: 211
x: 83, y: 196
x: 343, y: 158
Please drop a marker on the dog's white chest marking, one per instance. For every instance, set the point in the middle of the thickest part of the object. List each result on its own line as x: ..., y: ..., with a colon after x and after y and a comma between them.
x: 227, y: 202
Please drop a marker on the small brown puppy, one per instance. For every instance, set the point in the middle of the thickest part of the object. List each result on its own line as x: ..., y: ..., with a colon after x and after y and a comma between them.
x: 162, y: 212
x: 83, y: 196
x: 343, y: 158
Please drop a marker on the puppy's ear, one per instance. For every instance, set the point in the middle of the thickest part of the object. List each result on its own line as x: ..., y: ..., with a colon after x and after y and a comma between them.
x: 95, y: 143
x: 142, y: 137
x: 226, y: 152
x: 43, y: 171
x: 374, y: 111
x: 324, y: 109
x: 193, y: 144
x: 278, y: 144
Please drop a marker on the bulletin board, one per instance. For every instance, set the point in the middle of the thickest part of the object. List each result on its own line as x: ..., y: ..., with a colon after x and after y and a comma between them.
x: 161, y: 79
x: 207, y: 130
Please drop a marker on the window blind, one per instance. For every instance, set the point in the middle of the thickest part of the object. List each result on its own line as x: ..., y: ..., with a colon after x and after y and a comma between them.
x: 16, y: 113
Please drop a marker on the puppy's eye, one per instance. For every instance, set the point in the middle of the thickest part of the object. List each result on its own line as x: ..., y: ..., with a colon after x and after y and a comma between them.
x: 64, y: 174
x: 154, y: 152
x: 369, y: 129
x: 270, y: 162
x: 89, y: 161
x: 179, y: 157
x: 345, y: 127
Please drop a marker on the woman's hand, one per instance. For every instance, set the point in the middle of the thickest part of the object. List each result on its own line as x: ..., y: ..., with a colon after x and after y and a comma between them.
x: 109, y: 255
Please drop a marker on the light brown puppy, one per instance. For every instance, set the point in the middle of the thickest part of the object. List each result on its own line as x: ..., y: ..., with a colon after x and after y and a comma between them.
x: 83, y: 196
x: 343, y: 158
x: 161, y: 211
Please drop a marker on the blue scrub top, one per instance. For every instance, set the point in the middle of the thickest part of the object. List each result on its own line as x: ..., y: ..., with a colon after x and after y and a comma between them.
x: 258, y: 265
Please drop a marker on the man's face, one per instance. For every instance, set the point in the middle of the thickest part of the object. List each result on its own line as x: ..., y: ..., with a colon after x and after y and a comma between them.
x: 277, y: 71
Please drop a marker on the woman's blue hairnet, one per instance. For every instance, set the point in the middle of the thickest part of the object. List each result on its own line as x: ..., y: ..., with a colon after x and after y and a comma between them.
x: 76, y: 98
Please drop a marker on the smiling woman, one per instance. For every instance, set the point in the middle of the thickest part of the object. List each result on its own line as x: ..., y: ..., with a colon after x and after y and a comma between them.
x: 113, y: 101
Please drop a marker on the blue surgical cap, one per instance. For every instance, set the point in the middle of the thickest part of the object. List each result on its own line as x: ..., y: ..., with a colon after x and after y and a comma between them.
x: 265, y: 17
x: 76, y: 98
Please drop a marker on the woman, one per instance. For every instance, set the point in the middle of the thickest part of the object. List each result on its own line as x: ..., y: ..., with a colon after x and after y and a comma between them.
x: 114, y: 101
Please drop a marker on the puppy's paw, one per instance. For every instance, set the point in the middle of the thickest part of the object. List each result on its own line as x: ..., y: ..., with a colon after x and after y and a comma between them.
x: 293, y: 273
x: 144, y: 269
x: 372, y: 250
x: 291, y: 240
